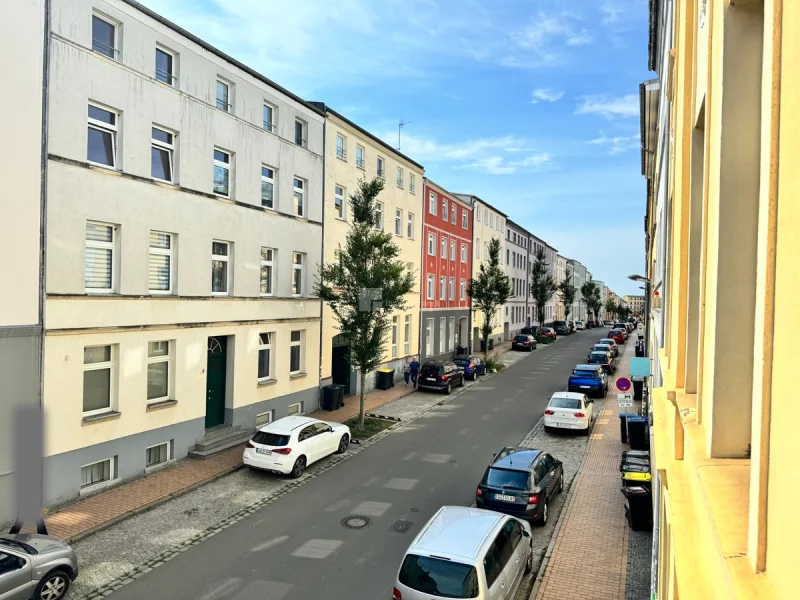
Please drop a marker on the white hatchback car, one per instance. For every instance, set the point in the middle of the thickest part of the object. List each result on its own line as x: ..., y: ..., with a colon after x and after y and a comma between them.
x: 290, y: 444
x: 579, y: 326
x: 568, y: 410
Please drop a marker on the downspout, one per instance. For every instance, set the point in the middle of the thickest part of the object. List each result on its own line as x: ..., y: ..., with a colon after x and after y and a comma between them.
x: 322, y: 256
x: 43, y: 198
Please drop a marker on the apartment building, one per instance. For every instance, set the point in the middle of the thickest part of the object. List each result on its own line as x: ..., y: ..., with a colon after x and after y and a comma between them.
x: 561, y: 275
x: 635, y: 303
x: 184, y: 226
x: 579, y: 277
x: 603, y: 289
x: 551, y: 257
x: 487, y: 223
x: 446, y: 270
x: 353, y: 153
x: 516, y: 310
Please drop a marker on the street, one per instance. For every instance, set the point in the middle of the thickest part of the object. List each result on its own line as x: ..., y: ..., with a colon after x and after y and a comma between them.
x: 299, y: 545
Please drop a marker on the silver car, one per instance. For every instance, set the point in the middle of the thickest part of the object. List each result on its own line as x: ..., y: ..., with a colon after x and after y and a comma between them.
x: 35, y: 566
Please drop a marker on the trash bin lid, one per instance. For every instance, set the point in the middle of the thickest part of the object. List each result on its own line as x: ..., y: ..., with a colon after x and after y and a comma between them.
x: 635, y: 419
x: 385, y: 370
x: 630, y: 476
x: 634, y: 490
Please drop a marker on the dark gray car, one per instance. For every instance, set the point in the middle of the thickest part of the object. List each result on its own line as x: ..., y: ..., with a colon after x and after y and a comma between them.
x: 35, y: 566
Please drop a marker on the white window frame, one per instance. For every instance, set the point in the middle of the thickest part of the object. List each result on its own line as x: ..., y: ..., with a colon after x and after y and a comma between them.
x: 412, y: 183
x: 273, y: 122
x: 477, y: 247
x: 228, y: 167
x: 399, y: 178
x: 451, y: 334
x: 478, y: 213
x: 429, y: 289
x: 341, y: 150
x: 169, y: 149
x: 112, y: 245
x: 464, y: 253
x: 297, y: 343
x: 228, y: 108
x: 432, y: 203
x: 442, y: 288
x: 267, y: 262
x: 272, y: 180
x: 428, y: 337
x: 173, y: 79
x: 339, y: 194
x: 410, y: 226
x: 158, y: 465
x: 407, y: 335
x: 464, y: 219
x: 105, y: 128
x: 226, y: 259
x: 360, y: 162
x: 398, y: 222
x: 452, y: 288
x: 453, y: 214
x: 445, y: 205
x: 106, y: 364
x: 452, y: 249
x: 431, y: 244
x: 299, y: 411
x: 169, y: 253
x: 93, y: 487
x: 167, y: 358
x: 463, y: 290
x: 270, y: 417
x: 380, y: 167
x: 301, y: 266
x: 301, y: 191
x: 379, y: 216
x: 116, y: 50
x: 443, y: 246
x: 303, y: 133
x: 268, y: 347
x: 442, y: 335
x: 395, y: 333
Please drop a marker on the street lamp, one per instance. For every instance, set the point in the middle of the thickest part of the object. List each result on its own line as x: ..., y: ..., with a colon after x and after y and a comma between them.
x: 639, y: 278
x: 647, y: 283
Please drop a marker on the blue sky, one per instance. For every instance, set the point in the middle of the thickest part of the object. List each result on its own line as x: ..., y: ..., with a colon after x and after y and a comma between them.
x: 530, y: 104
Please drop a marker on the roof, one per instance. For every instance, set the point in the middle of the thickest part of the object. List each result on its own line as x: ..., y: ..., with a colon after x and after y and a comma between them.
x: 456, y: 197
x: 324, y: 108
x: 523, y: 457
x: 456, y: 531
x: 469, y: 198
x: 227, y: 58
x: 570, y: 395
x: 288, y: 423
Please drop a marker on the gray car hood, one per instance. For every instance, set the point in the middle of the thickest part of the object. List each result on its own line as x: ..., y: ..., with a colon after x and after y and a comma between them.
x: 41, y: 543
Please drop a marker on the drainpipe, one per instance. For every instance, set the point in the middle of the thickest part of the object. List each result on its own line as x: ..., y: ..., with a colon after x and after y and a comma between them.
x: 43, y: 197
x: 322, y: 258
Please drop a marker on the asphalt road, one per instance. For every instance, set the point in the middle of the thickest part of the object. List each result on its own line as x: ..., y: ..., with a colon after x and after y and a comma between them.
x: 296, y: 548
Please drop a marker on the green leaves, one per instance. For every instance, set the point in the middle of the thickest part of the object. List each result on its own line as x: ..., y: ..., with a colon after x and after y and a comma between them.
x: 590, y: 293
x: 489, y: 290
x: 567, y: 292
x: 542, y: 285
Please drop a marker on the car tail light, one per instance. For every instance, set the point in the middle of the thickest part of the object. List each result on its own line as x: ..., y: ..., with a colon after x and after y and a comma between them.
x: 249, y: 445
x: 549, y: 412
x: 283, y: 451
x: 580, y: 415
x: 533, y: 499
x: 479, y: 492
x: 444, y: 377
x: 396, y: 595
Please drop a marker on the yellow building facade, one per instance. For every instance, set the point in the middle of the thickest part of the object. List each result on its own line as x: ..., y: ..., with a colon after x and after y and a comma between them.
x: 352, y: 154
x: 721, y: 138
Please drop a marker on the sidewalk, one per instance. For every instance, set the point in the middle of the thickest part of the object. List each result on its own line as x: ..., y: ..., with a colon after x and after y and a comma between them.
x: 373, y: 399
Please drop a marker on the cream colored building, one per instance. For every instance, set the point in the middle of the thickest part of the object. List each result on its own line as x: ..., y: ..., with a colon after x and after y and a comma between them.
x: 488, y: 223
x: 184, y: 225
x: 351, y: 153
x: 635, y: 303
x: 561, y: 275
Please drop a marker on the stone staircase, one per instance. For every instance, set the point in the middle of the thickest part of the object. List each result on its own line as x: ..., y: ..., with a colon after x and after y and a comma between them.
x: 219, y: 439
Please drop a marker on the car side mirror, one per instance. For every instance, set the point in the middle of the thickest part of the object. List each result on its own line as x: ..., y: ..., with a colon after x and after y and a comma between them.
x: 525, y: 533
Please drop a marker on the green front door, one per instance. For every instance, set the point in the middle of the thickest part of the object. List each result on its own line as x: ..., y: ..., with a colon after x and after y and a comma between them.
x: 215, y: 382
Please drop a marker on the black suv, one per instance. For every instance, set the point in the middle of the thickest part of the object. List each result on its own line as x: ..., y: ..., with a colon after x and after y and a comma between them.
x: 521, y: 482
x: 524, y: 342
x: 561, y: 327
x: 440, y: 375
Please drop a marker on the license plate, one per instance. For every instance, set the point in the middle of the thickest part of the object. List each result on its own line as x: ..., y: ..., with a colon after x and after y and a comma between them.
x: 585, y: 387
x: 263, y: 451
x: 504, y: 498
x: 431, y: 379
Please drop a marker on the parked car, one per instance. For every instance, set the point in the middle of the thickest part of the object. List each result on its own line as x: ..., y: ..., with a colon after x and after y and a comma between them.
x: 608, y: 323
x: 524, y: 342
x: 568, y: 410
x: 290, y: 444
x: 602, y: 358
x: 561, y: 327
x: 617, y: 335
x: 440, y: 375
x: 611, y: 344
x: 588, y: 379
x: 472, y: 366
x: 579, y: 326
x: 531, y: 330
x: 521, y: 482
x: 549, y: 333
x: 35, y: 566
x: 622, y: 328
x: 630, y: 326
x: 465, y: 552
x: 571, y: 326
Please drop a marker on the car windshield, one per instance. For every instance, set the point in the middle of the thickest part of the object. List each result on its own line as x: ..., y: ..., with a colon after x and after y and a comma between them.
x: 439, y: 577
x: 585, y: 372
x: 266, y: 438
x: 599, y: 348
x: 559, y: 323
x: 599, y: 356
x: 507, y: 478
x: 462, y: 362
x: 431, y: 370
x: 20, y: 545
x: 607, y: 341
x: 571, y: 403
x: 522, y: 338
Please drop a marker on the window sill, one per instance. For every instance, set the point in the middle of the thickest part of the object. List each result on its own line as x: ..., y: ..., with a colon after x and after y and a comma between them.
x: 342, y: 219
x: 161, y: 404
x: 159, y: 466
x: 91, y: 489
x: 267, y: 382
x: 99, y: 418
x: 297, y: 375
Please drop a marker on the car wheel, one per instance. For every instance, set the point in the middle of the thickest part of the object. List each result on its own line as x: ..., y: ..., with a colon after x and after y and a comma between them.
x: 543, y: 517
x: 586, y: 431
x: 448, y: 389
x: 529, y: 562
x: 53, y: 586
x: 548, y: 429
x: 463, y: 382
x: 343, y: 444
x: 561, y: 482
x: 299, y: 467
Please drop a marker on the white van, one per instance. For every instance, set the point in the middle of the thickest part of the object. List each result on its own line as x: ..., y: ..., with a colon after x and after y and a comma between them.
x: 466, y: 552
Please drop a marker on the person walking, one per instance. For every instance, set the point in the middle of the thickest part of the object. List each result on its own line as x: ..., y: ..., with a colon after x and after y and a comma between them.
x: 414, y: 370
x: 406, y: 371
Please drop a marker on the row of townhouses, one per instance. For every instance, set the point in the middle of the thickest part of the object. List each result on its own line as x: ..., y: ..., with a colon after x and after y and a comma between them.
x: 169, y: 209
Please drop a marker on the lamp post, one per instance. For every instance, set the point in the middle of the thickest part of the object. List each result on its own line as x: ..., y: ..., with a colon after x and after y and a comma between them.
x: 647, y: 283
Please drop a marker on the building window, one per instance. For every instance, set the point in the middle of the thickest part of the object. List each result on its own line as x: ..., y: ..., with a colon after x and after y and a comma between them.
x: 453, y: 214
x: 223, y: 95
x: 295, y: 353
x: 381, y: 167
x: 432, y: 203
x: 400, y: 178
x: 96, y: 473
x: 300, y: 133
x: 338, y: 201
x: 156, y: 455
x: 264, y: 356
x: 99, y: 269
x: 394, y: 337
x: 432, y: 244
x: 341, y: 150
x: 165, y: 66
x: 442, y: 335
x: 463, y: 289
x: 101, y: 146
x: 428, y: 337
x: 412, y: 183
x: 429, y: 289
x: 267, y: 271
x: 268, y: 117
x: 379, y: 216
x: 443, y: 247
x: 268, y: 187
x: 97, y: 379
x: 104, y: 37
x: 485, y: 217
x: 508, y: 256
x: 265, y: 418
x: 444, y: 209
x: 452, y: 295
x: 294, y: 409
x: 298, y: 273
x: 398, y: 222
x: 222, y: 172
x: 410, y: 226
x: 360, y: 157
x: 478, y: 214
x: 443, y: 288
x: 159, y: 275
x: 220, y: 272
x: 464, y: 222
x: 299, y: 197
x: 158, y: 358
x: 162, y: 154
x: 452, y: 249
x: 451, y: 334
x: 463, y: 253
x: 407, y: 335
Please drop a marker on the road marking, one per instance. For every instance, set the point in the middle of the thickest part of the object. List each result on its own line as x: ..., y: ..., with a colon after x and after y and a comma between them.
x: 410, y: 456
x: 222, y: 589
x: 370, y: 481
x: 317, y: 549
x: 400, y: 483
x: 336, y: 506
x: 270, y: 543
x: 495, y: 409
x: 436, y: 458
x: 372, y: 509
x: 464, y: 431
x: 483, y: 388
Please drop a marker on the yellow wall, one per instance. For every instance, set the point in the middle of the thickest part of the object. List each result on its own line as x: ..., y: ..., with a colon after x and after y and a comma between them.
x: 485, y: 232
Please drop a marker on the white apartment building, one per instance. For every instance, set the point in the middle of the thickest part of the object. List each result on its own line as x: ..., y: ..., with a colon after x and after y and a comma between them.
x: 516, y: 311
x: 551, y: 255
x: 184, y: 227
x: 578, y: 311
x: 561, y: 275
x: 603, y: 289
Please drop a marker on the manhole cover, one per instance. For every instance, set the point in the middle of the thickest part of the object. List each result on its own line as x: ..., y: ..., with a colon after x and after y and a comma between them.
x: 401, y: 526
x: 356, y: 522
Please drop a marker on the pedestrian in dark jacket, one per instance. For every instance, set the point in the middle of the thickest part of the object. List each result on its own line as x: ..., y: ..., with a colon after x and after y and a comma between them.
x: 414, y: 370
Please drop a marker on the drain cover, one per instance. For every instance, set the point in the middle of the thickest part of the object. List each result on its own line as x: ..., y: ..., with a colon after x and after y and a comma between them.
x: 356, y: 522
x: 401, y: 526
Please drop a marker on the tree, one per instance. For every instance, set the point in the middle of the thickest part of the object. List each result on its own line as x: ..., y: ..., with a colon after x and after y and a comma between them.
x: 542, y: 285
x: 489, y: 291
x: 590, y: 293
x: 567, y: 292
x: 611, y: 308
x: 365, y: 284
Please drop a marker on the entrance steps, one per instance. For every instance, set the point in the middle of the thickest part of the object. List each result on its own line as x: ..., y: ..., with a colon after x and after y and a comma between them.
x: 218, y: 439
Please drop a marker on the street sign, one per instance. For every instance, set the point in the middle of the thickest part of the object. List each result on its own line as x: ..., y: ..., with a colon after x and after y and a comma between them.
x: 623, y: 384
x: 624, y: 400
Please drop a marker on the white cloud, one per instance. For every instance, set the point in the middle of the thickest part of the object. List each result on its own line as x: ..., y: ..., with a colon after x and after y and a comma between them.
x: 423, y: 148
x: 612, y: 12
x: 546, y: 95
x: 610, y: 106
x: 544, y: 40
x: 580, y: 38
x: 496, y: 165
x: 617, y: 144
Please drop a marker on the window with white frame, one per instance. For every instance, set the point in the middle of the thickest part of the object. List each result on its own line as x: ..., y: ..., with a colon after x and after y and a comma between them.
x: 294, y: 409
x: 220, y: 271
x: 156, y: 455
x: 360, y: 157
x: 159, y: 276
x: 338, y: 201
x: 412, y: 183
x: 341, y: 148
x: 410, y: 226
x: 463, y: 253
x: 477, y: 247
x: 166, y: 66
x: 485, y: 217
x: 300, y: 133
x: 429, y: 289
x: 394, y: 337
x: 463, y: 290
x: 398, y: 222
x: 453, y: 212
x: 407, y: 335
x: 223, y: 95
x: 101, y: 148
x: 444, y: 209
x: 265, y: 356
x: 452, y: 249
x: 222, y: 172
x: 299, y: 205
x: 298, y: 273
x: 265, y: 418
x: 379, y: 216
x: 452, y: 289
x: 267, y: 187
x: 442, y: 335
x: 432, y: 203
x: 267, y: 280
x: 97, y: 473
x: 443, y: 288
x: 432, y: 244
x: 451, y: 334
x: 464, y: 219
x: 428, y: 337
x: 105, y: 36
x: 99, y: 266
x: 381, y: 167
x: 162, y: 155
x: 400, y: 178
x: 296, y: 352
x: 158, y: 359
x: 443, y: 247
x: 97, y: 379
x: 478, y: 213
x: 268, y: 117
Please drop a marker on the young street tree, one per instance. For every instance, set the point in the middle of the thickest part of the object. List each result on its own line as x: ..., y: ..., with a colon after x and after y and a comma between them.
x: 542, y: 286
x: 365, y: 284
x: 590, y: 294
x: 489, y: 291
x: 567, y: 292
x: 611, y: 308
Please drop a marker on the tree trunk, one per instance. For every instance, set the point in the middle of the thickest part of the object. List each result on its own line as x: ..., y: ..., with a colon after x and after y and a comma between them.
x: 362, y: 406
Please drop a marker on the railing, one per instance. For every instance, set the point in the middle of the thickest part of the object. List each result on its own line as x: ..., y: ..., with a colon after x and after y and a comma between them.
x: 341, y: 153
x: 400, y: 182
x: 412, y: 188
x: 360, y: 163
x: 104, y: 49
x: 381, y: 172
x: 302, y: 142
x: 269, y: 126
x: 223, y: 105
x: 165, y: 77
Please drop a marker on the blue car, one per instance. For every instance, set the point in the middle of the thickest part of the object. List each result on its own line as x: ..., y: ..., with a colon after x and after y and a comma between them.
x: 588, y: 379
x: 472, y: 366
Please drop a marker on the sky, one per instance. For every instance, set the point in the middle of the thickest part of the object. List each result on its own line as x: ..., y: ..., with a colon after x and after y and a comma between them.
x: 531, y: 105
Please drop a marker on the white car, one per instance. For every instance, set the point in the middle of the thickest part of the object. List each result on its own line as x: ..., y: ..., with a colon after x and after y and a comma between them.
x: 289, y: 445
x: 579, y: 326
x: 568, y: 410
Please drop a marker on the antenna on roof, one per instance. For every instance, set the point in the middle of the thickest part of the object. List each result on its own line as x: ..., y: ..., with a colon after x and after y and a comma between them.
x: 400, y: 126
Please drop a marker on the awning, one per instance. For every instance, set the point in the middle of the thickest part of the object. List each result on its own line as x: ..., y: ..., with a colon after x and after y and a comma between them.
x: 648, y: 106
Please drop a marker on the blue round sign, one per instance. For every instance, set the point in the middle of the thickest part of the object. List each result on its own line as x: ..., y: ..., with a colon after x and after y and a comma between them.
x: 623, y: 384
